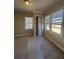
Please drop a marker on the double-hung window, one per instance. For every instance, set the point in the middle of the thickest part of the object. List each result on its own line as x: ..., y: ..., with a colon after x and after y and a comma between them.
x: 28, y: 22
x: 56, y: 21
x: 47, y: 22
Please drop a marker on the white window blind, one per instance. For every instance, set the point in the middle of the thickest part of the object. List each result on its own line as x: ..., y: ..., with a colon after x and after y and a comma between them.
x: 47, y: 22
x: 56, y: 21
x: 28, y: 23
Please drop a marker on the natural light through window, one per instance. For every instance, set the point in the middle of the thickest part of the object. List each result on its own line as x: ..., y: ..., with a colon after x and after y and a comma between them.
x: 47, y: 27
x: 56, y: 26
x: 28, y: 23
x: 56, y: 21
x: 47, y: 22
x: 57, y: 30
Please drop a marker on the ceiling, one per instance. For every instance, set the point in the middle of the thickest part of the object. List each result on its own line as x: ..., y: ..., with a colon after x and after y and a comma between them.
x: 36, y: 5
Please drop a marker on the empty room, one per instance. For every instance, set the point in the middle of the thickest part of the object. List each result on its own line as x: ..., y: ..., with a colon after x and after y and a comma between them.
x: 38, y: 29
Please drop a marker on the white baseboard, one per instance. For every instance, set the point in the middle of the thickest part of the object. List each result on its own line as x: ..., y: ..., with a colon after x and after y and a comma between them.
x: 22, y: 35
x: 55, y: 43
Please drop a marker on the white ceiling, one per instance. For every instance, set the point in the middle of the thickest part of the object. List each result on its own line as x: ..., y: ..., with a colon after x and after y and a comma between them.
x: 36, y: 5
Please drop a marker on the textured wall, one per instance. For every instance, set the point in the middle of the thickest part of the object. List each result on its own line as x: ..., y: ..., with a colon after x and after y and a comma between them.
x: 19, y: 23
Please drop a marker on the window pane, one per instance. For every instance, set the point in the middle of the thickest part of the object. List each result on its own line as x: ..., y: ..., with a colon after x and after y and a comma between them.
x: 28, y: 23
x: 47, y: 22
x: 57, y: 30
x: 56, y: 21
x: 58, y: 14
x: 47, y: 26
x: 56, y: 26
x: 47, y: 19
x: 60, y: 19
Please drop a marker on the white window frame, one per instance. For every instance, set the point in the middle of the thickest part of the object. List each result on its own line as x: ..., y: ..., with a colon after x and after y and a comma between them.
x: 47, y: 24
x: 27, y: 26
x: 55, y: 29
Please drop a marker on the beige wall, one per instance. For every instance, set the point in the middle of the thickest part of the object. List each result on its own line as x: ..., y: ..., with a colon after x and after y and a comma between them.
x: 19, y: 23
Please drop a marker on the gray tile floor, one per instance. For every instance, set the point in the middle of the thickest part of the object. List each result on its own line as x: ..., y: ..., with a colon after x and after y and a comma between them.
x: 29, y: 47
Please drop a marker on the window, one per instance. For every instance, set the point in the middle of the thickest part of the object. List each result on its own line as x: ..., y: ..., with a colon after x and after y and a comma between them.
x: 47, y: 22
x: 28, y: 23
x: 56, y: 21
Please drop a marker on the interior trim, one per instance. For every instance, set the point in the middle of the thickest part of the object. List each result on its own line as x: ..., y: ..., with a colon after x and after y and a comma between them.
x: 22, y: 35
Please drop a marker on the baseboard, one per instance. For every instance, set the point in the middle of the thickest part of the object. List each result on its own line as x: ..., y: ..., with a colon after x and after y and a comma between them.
x: 55, y: 43
x: 22, y: 35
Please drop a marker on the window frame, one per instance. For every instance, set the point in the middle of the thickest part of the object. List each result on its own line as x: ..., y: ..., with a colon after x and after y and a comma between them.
x: 57, y: 22
x: 29, y: 28
x: 48, y: 23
